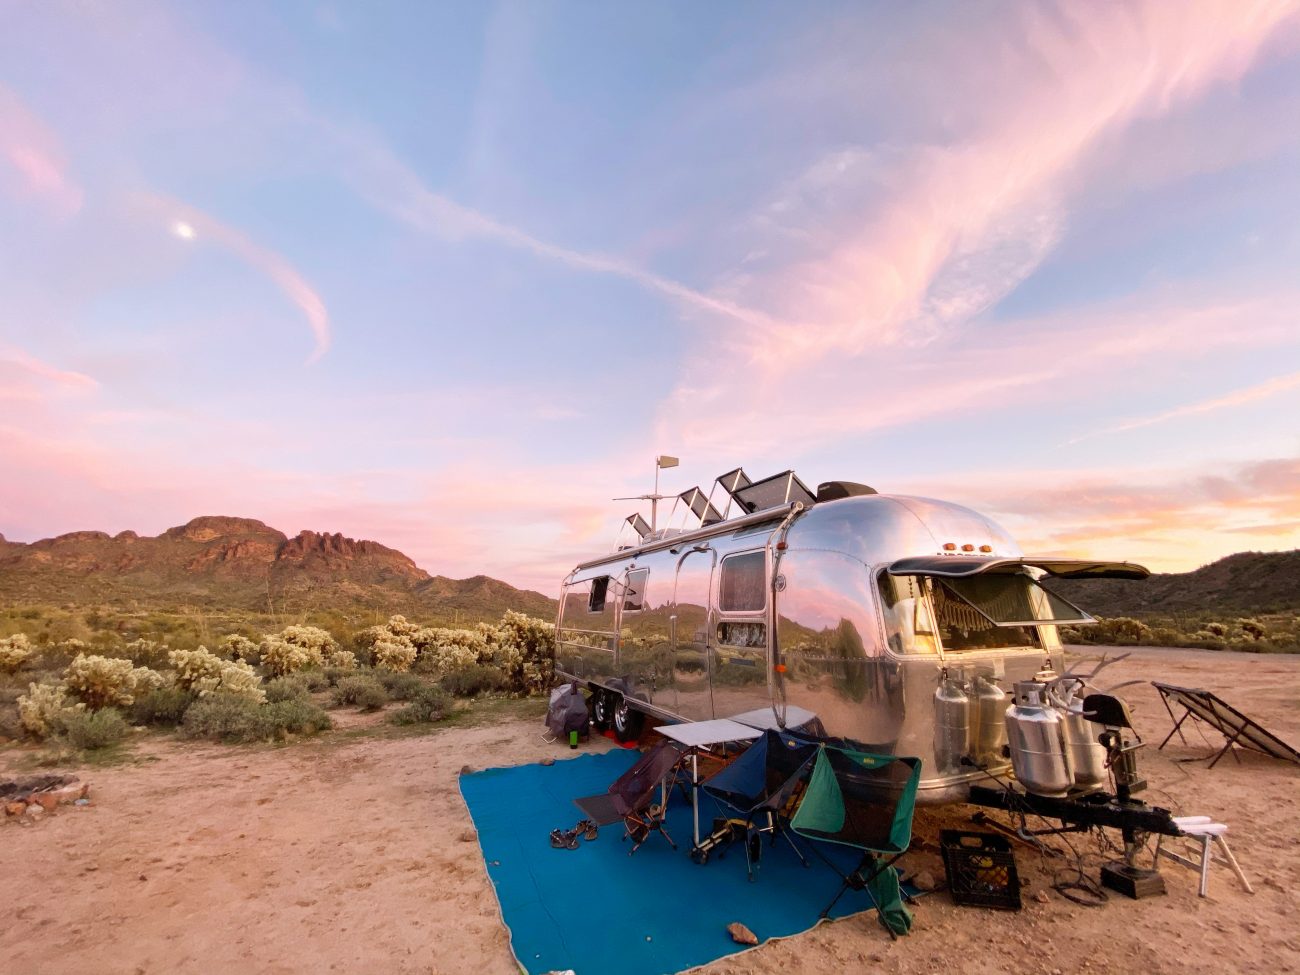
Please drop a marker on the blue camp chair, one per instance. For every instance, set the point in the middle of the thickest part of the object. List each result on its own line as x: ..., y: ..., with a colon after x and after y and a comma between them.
x: 762, y: 786
x: 864, y: 801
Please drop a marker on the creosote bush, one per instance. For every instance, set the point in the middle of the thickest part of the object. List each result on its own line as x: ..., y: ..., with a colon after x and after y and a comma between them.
x: 287, y: 688
x: 431, y: 703
x: 399, y: 686
x: 232, y: 718
x: 163, y: 706
x: 363, y: 691
x: 91, y: 730
x: 473, y: 681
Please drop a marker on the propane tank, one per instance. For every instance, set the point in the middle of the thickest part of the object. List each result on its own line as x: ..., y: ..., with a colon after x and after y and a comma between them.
x: 1087, y: 756
x: 989, y: 709
x: 952, y: 725
x: 1038, y: 755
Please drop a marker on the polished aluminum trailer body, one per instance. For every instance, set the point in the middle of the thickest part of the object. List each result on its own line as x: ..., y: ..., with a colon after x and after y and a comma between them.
x: 800, y: 616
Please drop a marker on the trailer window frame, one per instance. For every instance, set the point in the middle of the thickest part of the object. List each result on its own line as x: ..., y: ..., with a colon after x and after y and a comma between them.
x: 638, y: 581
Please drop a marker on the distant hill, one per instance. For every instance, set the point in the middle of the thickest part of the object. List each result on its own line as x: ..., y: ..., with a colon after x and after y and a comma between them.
x: 1241, y: 585
x: 224, y: 563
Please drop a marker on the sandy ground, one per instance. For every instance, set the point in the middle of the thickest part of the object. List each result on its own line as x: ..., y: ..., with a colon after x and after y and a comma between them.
x: 353, y: 854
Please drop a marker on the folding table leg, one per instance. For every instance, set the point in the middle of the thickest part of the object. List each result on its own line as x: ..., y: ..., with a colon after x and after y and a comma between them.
x: 1232, y: 862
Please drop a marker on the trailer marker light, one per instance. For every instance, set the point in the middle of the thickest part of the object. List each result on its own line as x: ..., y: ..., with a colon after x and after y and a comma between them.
x: 949, y: 547
x: 986, y: 548
x: 779, y: 668
x: 968, y: 547
x: 780, y: 546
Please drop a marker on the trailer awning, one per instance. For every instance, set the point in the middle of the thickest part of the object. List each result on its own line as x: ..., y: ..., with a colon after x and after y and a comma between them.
x: 963, y: 566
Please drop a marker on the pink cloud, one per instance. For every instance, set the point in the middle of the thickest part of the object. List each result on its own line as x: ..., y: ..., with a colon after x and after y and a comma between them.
x: 35, y: 161
x: 43, y: 370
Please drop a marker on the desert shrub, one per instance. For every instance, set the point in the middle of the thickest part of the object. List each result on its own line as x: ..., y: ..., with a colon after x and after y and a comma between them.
x: 528, y: 652
x: 473, y: 681
x: 332, y: 675
x: 1216, y: 630
x: 161, y: 706
x: 43, y: 707
x: 363, y: 691
x: 317, y: 680
x: 399, y: 686
x: 286, y: 688
x: 281, y: 657
x: 15, y: 651
x: 1253, y: 629
x: 297, y: 716
x: 101, y: 682
x: 430, y: 703
x: 91, y: 730
x: 146, y: 653
x: 204, y: 673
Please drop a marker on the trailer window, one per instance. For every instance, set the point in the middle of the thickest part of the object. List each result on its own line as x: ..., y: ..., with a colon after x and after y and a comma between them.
x: 909, y: 625
x: 734, y: 633
x: 743, y: 588
x: 596, y: 601
x: 634, y: 595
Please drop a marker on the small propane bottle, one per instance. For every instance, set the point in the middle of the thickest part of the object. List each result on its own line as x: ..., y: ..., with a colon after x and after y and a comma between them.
x: 953, y: 736
x: 989, y: 707
x: 1034, y: 734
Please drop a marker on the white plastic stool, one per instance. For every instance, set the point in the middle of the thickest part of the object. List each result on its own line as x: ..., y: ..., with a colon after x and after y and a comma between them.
x: 1207, y: 833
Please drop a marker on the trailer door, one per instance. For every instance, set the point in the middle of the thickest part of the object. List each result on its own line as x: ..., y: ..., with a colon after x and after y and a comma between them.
x: 690, y: 634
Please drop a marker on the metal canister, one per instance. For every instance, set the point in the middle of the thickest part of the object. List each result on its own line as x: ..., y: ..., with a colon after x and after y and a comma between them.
x: 1034, y: 734
x: 953, y: 734
x: 990, y: 706
x: 1087, y: 757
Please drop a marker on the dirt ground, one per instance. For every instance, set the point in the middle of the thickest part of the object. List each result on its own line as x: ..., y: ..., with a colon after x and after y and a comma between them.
x: 353, y: 853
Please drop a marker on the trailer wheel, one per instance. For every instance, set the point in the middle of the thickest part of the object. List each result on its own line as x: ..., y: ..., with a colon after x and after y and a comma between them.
x: 602, y: 709
x: 627, y: 721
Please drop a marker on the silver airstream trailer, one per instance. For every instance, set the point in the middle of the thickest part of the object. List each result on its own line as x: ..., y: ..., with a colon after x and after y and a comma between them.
x: 899, y: 622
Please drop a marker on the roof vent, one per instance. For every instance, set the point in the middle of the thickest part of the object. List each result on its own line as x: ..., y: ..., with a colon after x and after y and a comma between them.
x: 835, y: 490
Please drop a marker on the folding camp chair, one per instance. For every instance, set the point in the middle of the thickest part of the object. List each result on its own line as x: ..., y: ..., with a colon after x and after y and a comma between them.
x: 763, y: 786
x: 633, y: 794
x: 858, y: 799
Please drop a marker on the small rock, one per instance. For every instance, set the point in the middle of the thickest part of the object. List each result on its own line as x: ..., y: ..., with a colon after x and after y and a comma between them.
x: 548, y: 761
x: 48, y: 801
x: 1041, y: 897
x: 35, y: 810
x: 15, y: 808
x: 924, y: 880
x: 82, y: 802
x: 741, y: 934
x: 467, y: 770
x: 143, y: 877
x: 468, y: 836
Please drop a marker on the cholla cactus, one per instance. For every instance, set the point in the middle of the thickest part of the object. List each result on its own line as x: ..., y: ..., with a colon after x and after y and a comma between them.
x: 342, y: 659
x: 14, y: 652
x: 102, y: 682
x: 534, y: 642
x: 42, y: 707
x: 395, y: 655
x: 237, y: 647
x: 204, y: 673
x: 295, y: 648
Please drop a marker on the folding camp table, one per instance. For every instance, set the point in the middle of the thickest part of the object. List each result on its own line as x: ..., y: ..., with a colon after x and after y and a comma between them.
x: 696, y: 735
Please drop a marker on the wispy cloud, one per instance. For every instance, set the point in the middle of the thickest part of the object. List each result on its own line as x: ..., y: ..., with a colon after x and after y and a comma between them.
x: 34, y: 158
x: 193, y: 224
x: 1240, y: 397
x: 62, y: 377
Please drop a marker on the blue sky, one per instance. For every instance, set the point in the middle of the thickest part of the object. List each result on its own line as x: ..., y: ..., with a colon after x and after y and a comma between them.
x: 450, y: 276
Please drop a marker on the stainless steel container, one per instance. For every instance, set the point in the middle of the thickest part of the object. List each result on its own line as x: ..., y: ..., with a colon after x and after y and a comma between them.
x: 953, y: 731
x: 1035, y: 736
x: 1087, y: 757
x: 990, y: 708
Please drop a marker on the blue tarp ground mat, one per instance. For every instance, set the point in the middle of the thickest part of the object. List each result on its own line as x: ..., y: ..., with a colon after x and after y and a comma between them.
x: 598, y: 911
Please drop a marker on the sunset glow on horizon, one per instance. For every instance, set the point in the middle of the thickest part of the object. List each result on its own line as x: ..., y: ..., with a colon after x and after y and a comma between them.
x: 451, y: 276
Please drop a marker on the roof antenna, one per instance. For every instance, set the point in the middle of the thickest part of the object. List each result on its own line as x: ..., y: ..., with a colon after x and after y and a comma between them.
x: 663, y: 461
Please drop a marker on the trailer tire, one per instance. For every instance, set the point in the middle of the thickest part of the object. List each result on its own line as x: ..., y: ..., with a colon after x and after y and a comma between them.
x: 602, y: 709
x: 628, y: 721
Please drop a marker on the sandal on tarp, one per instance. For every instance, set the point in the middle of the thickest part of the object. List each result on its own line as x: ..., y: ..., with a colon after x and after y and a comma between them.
x: 564, y: 839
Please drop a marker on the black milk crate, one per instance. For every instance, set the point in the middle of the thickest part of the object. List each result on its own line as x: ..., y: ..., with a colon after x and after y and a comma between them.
x: 981, y: 869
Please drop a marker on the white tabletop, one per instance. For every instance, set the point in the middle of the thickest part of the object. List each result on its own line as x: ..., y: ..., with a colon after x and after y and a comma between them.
x: 697, y: 733
x: 795, y: 717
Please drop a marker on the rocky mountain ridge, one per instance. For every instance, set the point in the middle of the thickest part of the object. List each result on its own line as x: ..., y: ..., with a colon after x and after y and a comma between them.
x: 241, y: 563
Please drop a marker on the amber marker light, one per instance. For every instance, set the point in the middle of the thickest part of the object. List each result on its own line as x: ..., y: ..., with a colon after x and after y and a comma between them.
x: 949, y: 546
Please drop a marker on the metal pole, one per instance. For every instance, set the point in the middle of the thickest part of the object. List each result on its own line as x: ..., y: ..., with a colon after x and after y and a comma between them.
x: 654, y: 499
x: 695, y: 792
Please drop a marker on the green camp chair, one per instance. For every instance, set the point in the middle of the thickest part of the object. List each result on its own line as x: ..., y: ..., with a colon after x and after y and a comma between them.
x: 858, y: 799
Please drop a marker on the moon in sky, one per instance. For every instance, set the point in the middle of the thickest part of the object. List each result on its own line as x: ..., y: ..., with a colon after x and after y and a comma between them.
x: 183, y: 230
